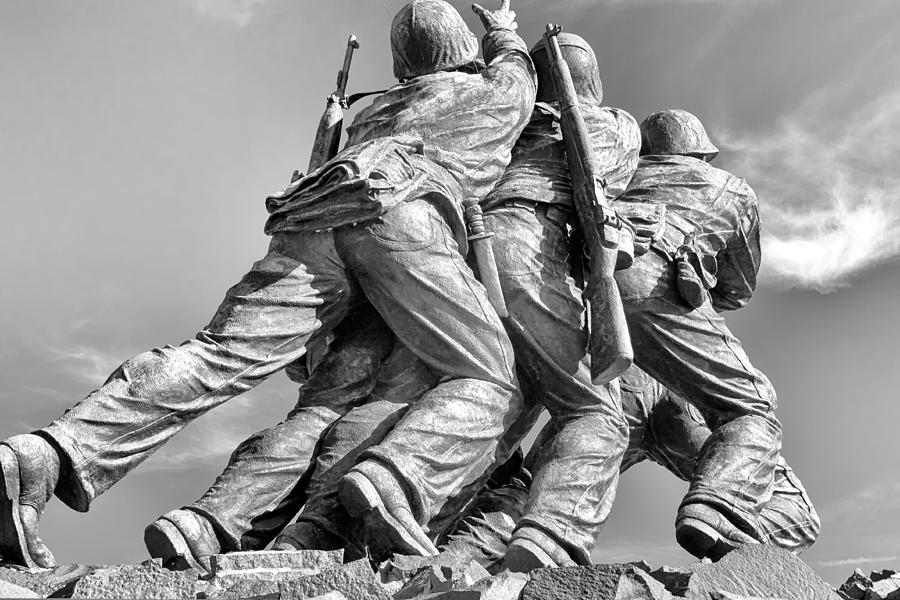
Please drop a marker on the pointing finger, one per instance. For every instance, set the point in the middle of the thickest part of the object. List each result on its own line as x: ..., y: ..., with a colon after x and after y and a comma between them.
x: 504, y: 4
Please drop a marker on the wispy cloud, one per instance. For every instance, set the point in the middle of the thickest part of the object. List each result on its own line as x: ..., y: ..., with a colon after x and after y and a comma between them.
x: 575, y: 4
x: 844, y: 562
x: 237, y: 12
x: 88, y: 365
x: 829, y: 185
x: 870, y: 502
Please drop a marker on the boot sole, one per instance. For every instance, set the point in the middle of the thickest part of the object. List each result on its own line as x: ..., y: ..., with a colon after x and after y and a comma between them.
x: 13, y: 548
x: 524, y: 556
x: 361, y: 499
x: 702, y: 540
x: 165, y: 541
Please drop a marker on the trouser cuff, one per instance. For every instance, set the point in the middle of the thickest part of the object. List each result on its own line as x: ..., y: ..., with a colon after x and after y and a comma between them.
x: 228, y: 540
x: 408, y: 478
x: 578, y: 547
x: 74, y: 487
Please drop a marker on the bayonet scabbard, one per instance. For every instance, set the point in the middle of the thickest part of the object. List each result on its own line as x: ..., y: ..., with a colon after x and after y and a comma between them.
x: 480, y: 240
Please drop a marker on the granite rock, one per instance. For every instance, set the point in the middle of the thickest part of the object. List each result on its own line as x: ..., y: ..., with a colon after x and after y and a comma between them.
x: 238, y: 570
x: 505, y: 585
x: 675, y: 580
x: 11, y: 590
x: 276, y: 561
x: 567, y: 583
x: 856, y: 585
x: 425, y: 575
x: 637, y: 584
x: 354, y: 580
x: 57, y: 582
x: 762, y: 571
x: 331, y: 596
x: 730, y: 596
x: 879, y: 585
x: 137, y: 581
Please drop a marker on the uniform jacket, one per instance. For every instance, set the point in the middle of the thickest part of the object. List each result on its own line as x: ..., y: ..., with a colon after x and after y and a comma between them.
x: 457, y: 128
x: 684, y: 202
x: 539, y: 171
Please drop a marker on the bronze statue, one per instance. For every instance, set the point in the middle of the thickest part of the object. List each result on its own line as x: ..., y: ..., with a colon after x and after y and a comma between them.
x: 392, y: 230
x: 699, y: 229
x: 530, y: 211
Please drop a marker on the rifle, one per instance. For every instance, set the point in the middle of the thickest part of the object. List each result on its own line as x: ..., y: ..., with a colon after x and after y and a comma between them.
x: 610, y: 342
x: 328, y: 135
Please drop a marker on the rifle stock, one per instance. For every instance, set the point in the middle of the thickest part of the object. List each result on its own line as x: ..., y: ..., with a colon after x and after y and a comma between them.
x: 610, y: 342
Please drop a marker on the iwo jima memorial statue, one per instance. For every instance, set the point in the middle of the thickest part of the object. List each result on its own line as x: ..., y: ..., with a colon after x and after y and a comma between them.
x: 492, y: 241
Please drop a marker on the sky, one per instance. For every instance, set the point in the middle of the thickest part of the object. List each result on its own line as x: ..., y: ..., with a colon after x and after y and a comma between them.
x: 138, y: 141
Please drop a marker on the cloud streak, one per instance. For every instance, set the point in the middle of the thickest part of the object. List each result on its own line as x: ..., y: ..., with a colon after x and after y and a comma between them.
x: 237, y: 12
x: 844, y: 562
x: 829, y: 187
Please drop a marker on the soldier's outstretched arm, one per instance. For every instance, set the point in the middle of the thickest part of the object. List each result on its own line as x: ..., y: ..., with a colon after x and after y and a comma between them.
x: 504, y: 51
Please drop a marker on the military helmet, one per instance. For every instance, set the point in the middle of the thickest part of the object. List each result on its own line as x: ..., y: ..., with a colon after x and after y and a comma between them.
x: 676, y: 131
x: 582, y: 64
x: 428, y: 36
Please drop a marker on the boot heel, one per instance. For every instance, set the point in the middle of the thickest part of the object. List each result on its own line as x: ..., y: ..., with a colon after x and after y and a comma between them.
x: 697, y: 537
x: 357, y: 494
x: 165, y: 541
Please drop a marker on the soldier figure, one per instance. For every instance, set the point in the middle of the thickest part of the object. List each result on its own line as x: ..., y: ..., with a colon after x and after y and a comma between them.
x: 697, y: 241
x: 441, y: 136
x: 699, y: 227
x: 530, y: 211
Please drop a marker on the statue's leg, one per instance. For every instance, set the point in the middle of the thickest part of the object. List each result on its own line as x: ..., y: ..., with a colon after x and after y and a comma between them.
x: 263, y: 486
x: 402, y: 380
x: 411, y: 269
x: 300, y: 287
x: 484, y: 530
x: 693, y: 353
x: 576, y: 472
x: 677, y: 434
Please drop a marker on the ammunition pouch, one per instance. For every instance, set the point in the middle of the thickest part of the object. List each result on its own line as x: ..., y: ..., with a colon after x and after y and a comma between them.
x: 647, y: 221
x: 359, y: 185
x: 696, y: 274
x: 696, y: 271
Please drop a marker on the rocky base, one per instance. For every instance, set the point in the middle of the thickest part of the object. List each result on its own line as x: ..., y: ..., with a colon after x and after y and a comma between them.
x: 751, y: 573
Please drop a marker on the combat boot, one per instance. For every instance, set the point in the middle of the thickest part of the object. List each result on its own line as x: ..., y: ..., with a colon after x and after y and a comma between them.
x: 29, y: 472
x: 530, y: 548
x: 706, y: 533
x: 371, y: 491
x: 183, y: 539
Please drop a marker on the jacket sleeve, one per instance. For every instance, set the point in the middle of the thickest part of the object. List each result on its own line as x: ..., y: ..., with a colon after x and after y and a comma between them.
x: 738, y: 263
x: 508, y: 62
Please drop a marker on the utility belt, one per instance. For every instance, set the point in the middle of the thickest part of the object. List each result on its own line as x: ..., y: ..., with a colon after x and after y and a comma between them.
x: 565, y: 216
x: 556, y: 213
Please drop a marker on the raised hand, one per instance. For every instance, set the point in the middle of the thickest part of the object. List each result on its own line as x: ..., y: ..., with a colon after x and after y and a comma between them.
x: 502, y: 18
